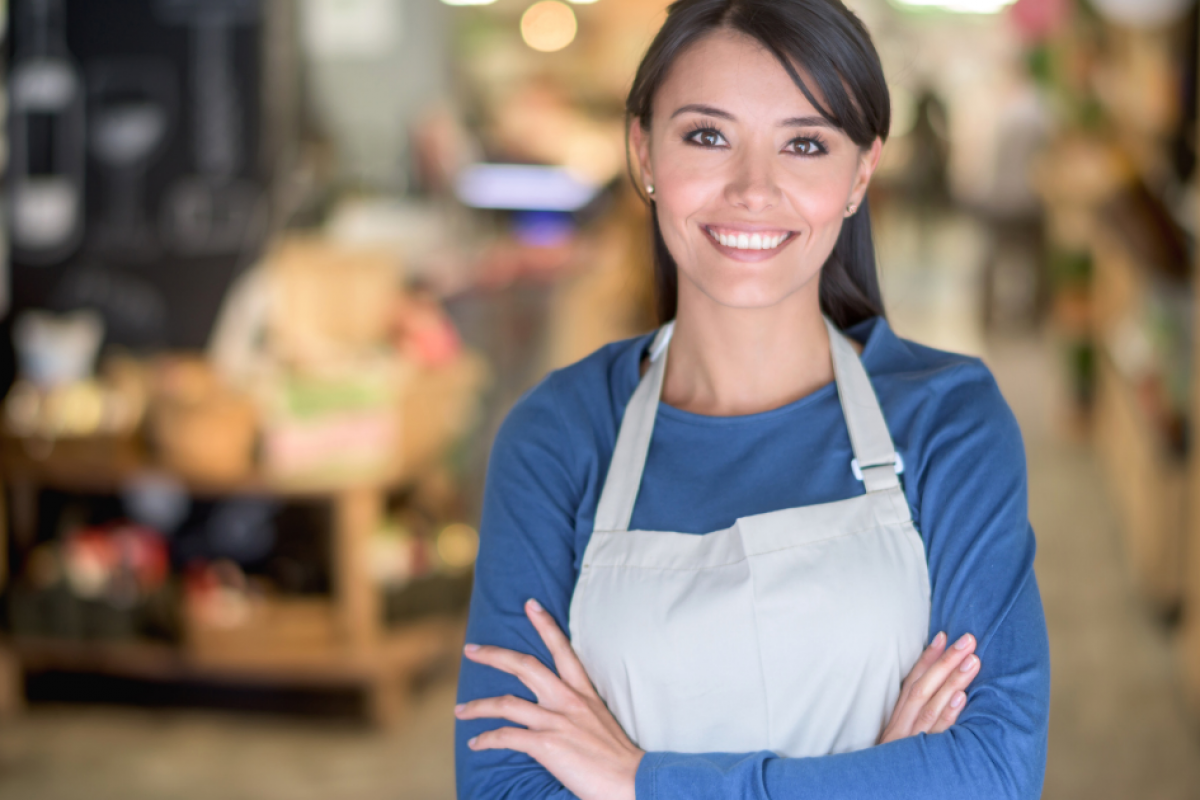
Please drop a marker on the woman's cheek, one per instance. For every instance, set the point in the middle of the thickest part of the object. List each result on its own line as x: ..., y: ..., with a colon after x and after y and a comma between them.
x: 688, y: 191
x: 818, y: 193
x: 680, y: 204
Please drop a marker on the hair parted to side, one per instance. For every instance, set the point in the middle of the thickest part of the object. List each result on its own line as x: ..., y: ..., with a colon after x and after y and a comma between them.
x: 831, y: 45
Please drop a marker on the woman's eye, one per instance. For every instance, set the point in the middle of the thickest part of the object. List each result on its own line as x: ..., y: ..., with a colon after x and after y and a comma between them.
x: 707, y: 138
x: 806, y: 147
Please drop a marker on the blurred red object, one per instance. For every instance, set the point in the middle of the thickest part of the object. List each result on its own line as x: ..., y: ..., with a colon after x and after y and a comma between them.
x: 121, y: 562
x: 144, y: 551
x: 90, y: 558
x: 422, y: 331
x: 1038, y: 20
x: 216, y: 594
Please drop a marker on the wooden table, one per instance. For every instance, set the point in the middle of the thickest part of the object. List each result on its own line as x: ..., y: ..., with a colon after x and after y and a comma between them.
x: 361, y: 652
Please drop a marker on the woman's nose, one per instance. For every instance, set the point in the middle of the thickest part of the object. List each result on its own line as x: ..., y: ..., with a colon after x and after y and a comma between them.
x: 752, y: 184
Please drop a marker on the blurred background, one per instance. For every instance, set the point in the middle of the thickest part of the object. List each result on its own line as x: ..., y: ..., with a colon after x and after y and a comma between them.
x: 274, y: 270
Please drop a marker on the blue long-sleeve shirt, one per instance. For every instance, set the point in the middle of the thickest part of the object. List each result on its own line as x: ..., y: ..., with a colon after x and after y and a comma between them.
x: 965, y: 480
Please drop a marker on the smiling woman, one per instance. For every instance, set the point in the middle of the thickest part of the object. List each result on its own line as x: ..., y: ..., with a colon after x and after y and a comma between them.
x: 790, y: 49
x: 738, y: 153
x: 719, y: 513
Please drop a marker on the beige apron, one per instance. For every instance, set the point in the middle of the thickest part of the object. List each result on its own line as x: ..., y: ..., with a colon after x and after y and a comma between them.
x: 790, y: 631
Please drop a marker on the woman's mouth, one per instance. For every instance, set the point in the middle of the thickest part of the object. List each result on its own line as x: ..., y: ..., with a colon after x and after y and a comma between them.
x: 744, y: 243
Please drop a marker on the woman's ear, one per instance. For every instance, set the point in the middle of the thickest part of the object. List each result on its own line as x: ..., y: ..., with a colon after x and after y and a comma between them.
x: 639, y: 142
x: 868, y: 161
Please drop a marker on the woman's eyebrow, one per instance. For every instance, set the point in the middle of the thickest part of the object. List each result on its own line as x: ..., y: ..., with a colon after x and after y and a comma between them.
x: 697, y: 108
x: 804, y: 122
x: 791, y: 122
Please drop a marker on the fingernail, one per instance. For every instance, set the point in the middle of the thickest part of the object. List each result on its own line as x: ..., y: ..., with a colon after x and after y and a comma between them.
x: 962, y: 643
x: 458, y: 708
x: 471, y: 741
x: 534, y: 604
x: 938, y: 640
x: 471, y: 648
x: 968, y: 664
x: 957, y: 700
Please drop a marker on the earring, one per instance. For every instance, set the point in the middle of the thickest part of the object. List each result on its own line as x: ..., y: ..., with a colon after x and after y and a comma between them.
x: 850, y: 209
x: 650, y: 188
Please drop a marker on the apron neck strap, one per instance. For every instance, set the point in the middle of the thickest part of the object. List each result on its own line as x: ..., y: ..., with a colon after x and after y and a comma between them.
x: 869, y: 437
x: 633, y: 441
x: 874, y: 451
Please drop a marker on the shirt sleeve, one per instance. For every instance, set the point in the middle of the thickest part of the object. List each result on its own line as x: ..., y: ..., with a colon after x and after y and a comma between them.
x: 526, y: 549
x: 969, y: 494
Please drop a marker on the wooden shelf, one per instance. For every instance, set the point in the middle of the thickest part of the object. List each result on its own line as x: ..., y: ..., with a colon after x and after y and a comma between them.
x: 164, y: 662
x: 355, y: 648
x: 402, y: 651
x: 1105, y: 191
x: 436, y: 408
x: 71, y: 467
x: 1148, y: 485
x: 1189, y: 640
x: 1147, y: 480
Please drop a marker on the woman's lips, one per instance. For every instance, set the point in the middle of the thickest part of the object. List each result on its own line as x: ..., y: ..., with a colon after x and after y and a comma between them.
x: 746, y: 245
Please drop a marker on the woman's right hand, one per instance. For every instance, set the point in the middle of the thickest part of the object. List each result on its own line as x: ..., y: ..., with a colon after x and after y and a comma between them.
x: 933, y: 694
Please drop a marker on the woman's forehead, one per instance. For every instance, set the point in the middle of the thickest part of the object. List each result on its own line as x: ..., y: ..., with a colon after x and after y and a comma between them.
x: 727, y: 67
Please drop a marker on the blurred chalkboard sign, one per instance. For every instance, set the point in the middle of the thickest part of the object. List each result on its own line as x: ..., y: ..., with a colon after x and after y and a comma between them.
x: 136, y: 184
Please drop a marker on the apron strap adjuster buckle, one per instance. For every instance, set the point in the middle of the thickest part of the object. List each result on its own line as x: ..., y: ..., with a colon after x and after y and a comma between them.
x: 857, y: 470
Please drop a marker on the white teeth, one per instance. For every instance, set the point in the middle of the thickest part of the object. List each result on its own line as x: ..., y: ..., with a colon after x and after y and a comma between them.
x: 749, y: 241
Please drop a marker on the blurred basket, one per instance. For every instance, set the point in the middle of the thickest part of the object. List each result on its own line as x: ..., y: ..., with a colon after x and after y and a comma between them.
x: 210, y: 441
x: 203, y: 429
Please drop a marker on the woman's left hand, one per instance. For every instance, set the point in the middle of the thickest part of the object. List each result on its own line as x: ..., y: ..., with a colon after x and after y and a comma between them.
x: 569, y: 730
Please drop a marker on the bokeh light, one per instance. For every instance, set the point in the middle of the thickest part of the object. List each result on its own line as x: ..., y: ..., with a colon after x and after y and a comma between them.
x: 457, y: 545
x: 960, y: 6
x: 548, y: 26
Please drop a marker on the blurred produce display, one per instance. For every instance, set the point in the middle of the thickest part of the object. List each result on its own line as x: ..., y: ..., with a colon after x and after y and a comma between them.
x: 1118, y: 180
x: 276, y: 346
x: 95, y: 583
x: 329, y: 384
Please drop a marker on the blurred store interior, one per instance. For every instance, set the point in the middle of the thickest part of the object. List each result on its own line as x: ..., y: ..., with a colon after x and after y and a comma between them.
x: 276, y: 269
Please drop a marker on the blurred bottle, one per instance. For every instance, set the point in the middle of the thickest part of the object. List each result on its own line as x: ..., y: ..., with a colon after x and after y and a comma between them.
x: 47, y: 137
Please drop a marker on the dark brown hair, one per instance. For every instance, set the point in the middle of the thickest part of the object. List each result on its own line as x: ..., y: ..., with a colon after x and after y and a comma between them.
x: 830, y: 44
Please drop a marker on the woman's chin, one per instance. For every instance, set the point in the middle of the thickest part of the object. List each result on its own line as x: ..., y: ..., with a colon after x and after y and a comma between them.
x: 748, y: 292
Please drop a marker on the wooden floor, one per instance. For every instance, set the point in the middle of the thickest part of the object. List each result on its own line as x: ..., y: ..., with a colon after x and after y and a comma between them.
x: 69, y: 752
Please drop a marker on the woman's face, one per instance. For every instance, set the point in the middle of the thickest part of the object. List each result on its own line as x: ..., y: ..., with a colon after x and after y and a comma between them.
x: 751, y: 183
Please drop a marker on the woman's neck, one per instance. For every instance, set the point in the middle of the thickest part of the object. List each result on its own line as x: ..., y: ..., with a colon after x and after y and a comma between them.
x: 730, y: 361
